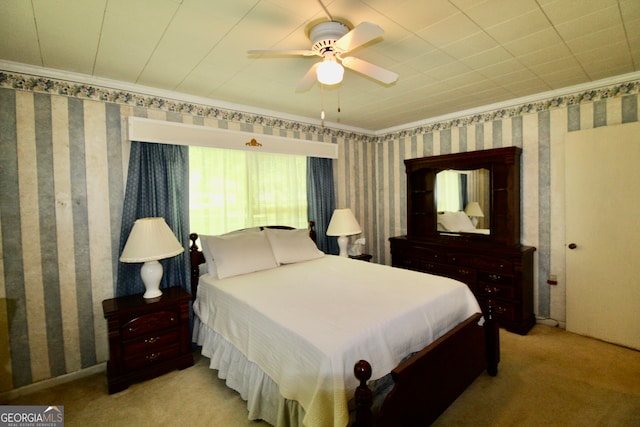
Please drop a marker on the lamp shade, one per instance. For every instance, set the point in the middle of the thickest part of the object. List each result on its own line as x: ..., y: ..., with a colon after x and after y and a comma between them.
x: 329, y: 72
x: 343, y: 223
x: 150, y: 239
x: 473, y: 209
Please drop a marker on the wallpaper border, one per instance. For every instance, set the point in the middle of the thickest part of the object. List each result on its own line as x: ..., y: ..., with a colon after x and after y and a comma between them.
x: 20, y: 81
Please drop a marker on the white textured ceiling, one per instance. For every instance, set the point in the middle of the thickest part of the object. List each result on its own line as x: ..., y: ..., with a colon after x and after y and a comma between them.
x: 451, y: 55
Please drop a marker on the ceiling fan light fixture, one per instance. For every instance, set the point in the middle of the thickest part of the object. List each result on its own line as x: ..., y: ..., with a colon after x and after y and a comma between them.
x: 329, y: 72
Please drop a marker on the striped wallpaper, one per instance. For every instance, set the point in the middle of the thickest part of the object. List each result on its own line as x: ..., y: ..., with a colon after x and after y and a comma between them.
x: 63, y: 161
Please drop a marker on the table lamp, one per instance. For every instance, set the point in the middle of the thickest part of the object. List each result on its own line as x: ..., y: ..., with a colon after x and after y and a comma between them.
x: 150, y: 240
x: 343, y: 224
x: 474, y: 212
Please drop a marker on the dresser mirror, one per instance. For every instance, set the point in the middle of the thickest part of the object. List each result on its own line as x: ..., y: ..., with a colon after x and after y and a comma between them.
x: 465, y: 197
x: 464, y: 191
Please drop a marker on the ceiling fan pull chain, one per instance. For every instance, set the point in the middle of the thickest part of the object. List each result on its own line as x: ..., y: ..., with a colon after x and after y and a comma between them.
x: 322, y: 103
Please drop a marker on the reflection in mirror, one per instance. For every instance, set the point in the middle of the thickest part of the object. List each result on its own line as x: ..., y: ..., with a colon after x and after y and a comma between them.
x: 463, y: 200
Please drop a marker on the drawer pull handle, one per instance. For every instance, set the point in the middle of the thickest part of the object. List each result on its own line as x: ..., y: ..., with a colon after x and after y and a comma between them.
x: 463, y: 271
x: 494, y: 277
x: 491, y: 290
x: 153, y: 356
x: 499, y: 309
x: 151, y: 340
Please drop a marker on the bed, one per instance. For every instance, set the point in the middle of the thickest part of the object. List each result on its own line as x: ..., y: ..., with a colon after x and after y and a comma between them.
x: 302, y: 335
x: 458, y: 222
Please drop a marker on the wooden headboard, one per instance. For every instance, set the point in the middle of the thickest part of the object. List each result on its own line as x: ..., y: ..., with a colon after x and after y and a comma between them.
x: 197, y: 257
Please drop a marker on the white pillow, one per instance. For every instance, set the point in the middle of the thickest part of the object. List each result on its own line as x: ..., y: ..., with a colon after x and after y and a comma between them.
x: 210, y: 264
x: 240, y: 253
x: 455, y: 221
x: 291, y: 246
x: 208, y: 258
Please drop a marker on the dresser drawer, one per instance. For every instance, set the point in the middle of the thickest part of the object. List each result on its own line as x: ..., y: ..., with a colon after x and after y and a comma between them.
x: 492, y: 290
x: 492, y: 272
x: 504, y: 310
x: 495, y: 278
x: 464, y: 274
x: 416, y: 264
x: 149, y: 323
x: 421, y: 253
x: 148, y: 343
x: 151, y: 357
x: 494, y: 264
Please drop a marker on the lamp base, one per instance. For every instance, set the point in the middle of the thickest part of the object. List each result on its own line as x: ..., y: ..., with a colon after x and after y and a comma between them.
x: 342, y: 244
x: 151, y: 274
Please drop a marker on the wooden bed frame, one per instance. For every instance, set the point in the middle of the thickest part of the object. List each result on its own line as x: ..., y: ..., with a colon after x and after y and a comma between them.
x: 430, y: 380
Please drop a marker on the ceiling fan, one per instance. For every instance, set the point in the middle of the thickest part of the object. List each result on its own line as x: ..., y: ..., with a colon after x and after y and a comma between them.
x: 332, y: 40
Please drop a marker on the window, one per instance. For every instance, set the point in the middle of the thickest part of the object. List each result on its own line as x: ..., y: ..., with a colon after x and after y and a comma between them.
x: 235, y: 189
x: 448, y: 191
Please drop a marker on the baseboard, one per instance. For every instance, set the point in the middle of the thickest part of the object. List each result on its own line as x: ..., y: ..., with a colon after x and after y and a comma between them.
x: 547, y: 321
x: 41, y: 385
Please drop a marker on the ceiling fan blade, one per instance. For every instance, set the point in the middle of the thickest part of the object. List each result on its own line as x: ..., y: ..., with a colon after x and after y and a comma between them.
x: 309, y: 79
x: 378, y: 73
x: 361, y: 34
x: 282, y: 52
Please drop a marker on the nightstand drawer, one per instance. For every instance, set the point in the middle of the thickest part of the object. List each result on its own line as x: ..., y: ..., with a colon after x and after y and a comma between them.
x: 152, y: 357
x: 147, y: 343
x: 149, y: 323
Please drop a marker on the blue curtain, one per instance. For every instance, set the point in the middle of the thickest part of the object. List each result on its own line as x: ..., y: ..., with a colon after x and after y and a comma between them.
x: 464, y: 193
x: 321, y: 201
x: 157, y: 186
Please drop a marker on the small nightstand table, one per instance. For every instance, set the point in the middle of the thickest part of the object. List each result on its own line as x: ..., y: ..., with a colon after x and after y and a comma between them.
x: 147, y: 338
x: 362, y: 257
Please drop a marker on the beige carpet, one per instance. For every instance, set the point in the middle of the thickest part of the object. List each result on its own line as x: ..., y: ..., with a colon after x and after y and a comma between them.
x: 547, y: 378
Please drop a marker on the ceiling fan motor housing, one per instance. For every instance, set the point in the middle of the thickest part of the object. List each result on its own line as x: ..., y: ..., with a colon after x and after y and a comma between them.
x: 324, y: 35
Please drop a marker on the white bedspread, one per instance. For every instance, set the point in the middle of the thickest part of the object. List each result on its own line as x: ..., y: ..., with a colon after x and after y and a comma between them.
x: 306, y: 324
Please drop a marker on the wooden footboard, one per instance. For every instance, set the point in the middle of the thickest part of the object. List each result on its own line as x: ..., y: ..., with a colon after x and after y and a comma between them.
x: 427, y: 383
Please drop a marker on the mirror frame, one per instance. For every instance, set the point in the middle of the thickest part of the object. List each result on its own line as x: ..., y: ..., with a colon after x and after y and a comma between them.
x: 504, y: 168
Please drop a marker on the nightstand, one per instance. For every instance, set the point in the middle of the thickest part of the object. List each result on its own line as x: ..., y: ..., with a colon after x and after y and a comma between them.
x: 362, y: 257
x: 147, y: 338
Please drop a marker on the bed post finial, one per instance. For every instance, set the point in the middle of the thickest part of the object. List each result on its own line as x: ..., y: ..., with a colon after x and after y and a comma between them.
x: 363, y: 395
x: 312, y: 231
x: 196, y: 259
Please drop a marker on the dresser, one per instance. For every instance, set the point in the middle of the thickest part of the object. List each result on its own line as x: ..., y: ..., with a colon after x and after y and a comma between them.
x: 488, y: 255
x: 503, y: 277
x: 147, y: 338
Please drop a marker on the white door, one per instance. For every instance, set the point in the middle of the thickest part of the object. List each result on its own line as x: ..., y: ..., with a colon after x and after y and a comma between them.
x: 603, y: 222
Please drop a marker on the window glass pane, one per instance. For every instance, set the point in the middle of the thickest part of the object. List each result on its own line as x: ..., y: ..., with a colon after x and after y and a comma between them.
x: 234, y: 189
x: 448, y: 191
